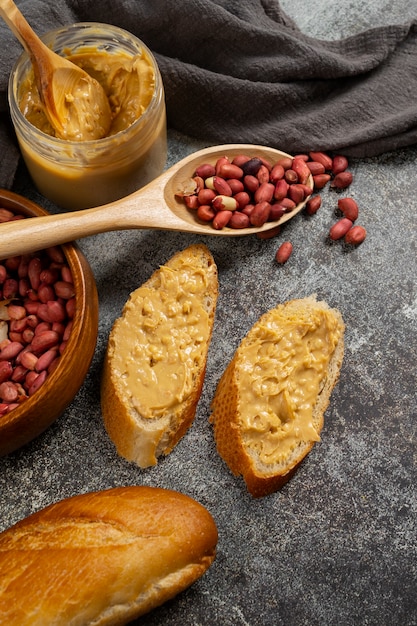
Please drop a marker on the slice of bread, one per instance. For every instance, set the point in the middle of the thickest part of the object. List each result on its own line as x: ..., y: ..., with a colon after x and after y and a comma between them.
x: 156, y: 357
x: 269, y: 405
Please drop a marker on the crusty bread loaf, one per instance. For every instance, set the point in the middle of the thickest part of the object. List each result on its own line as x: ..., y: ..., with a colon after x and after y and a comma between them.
x: 269, y: 405
x: 156, y: 357
x: 103, y: 558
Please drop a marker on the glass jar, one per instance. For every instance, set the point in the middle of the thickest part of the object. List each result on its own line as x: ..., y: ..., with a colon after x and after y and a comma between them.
x: 84, y: 174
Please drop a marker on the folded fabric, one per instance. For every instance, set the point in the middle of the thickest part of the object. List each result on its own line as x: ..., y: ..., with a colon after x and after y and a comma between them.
x: 241, y: 71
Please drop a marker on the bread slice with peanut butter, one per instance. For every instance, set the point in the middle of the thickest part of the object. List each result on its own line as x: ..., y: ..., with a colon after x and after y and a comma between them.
x: 268, y: 409
x: 156, y: 357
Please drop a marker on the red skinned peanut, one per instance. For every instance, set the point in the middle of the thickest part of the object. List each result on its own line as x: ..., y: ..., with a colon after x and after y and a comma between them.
x: 316, y: 168
x: 356, y: 235
x: 37, y: 383
x: 276, y: 212
x: 221, y: 186
x: 281, y: 189
x: 296, y: 193
x: 339, y: 230
x: 349, y: 208
x: 205, y: 196
x: 235, y: 185
x: 205, y: 170
x: 263, y: 174
x: 6, y: 371
x: 321, y: 180
x: 342, y: 180
x: 205, y: 213
x: 230, y: 170
x: 260, y: 214
x: 242, y: 198
x: 44, y: 341
x: 10, y: 351
x: 340, y: 164
x: 300, y: 168
x: 264, y: 193
x: 277, y: 173
x: 221, y: 219
x: 284, y: 252
x: 313, y: 205
x: 240, y: 159
x: 239, y: 220
x: 322, y: 158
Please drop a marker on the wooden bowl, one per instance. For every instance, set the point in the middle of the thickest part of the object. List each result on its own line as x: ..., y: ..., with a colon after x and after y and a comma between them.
x: 40, y: 410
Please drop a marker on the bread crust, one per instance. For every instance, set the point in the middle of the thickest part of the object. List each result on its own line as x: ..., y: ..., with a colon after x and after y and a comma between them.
x: 136, y: 437
x: 262, y: 480
x: 103, y: 558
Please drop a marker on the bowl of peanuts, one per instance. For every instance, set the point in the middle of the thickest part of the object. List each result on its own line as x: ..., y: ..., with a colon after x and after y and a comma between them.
x: 48, y: 331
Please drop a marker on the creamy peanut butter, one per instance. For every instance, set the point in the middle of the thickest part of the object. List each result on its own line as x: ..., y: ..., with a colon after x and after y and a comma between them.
x: 161, y: 341
x: 281, y: 372
x: 128, y: 81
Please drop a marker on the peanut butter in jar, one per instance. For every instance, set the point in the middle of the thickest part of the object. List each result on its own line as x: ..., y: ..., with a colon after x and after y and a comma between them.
x: 74, y: 173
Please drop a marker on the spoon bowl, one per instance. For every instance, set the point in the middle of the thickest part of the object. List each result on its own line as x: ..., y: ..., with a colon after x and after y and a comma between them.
x: 155, y: 206
x: 181, y: 174
x: 68, y: 93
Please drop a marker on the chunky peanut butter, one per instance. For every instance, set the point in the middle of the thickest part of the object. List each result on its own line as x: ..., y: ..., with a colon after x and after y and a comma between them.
x: 128, y: 81
x: 281, y: 373
x: 161, y: 341
x: 78, y: 174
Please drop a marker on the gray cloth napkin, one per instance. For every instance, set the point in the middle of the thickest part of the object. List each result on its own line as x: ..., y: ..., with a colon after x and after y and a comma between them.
x: 241, y: 71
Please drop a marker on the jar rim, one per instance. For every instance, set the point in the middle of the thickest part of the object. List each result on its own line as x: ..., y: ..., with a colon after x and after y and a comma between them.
x: 63, y: 30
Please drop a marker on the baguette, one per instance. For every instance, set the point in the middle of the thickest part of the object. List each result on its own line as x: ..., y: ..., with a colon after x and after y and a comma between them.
x: 268, y: 408
x: 103, y: 558
x: 156, y: 357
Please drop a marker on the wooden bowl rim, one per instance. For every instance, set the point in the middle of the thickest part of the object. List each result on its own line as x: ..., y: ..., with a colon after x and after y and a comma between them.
x: 81, y: 271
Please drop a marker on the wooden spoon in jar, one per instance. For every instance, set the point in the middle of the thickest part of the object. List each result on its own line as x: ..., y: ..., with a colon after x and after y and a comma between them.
x: 70, y: 95
x: 155, y: 206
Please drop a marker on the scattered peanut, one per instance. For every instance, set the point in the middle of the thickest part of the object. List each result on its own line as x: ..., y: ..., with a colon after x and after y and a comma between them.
x: 340, y: 164
x: 284, y: 252
x: 321, y: 180
x: 340, y: 228
x: 355, y: 236
x: 342, y: 180
x: 313, y: 205
x: 323, y: 158
x: 316, y: 168
x: 349, y: 208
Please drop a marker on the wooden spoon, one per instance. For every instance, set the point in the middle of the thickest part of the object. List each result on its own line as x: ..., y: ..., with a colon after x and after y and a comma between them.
x: 155, y: 206
x: 68, y: 93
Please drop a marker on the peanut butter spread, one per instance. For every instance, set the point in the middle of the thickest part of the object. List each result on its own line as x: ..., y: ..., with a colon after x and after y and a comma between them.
x: 161, y: 341
x: 281, y: 372
x: 128, y: 81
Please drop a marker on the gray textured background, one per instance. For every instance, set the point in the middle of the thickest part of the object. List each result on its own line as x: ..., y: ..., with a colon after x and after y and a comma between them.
x: 338, y: 544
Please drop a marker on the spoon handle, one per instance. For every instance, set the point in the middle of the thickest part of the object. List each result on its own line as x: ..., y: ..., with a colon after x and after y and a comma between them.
x: 144, y: 209
x: 36, y: 233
